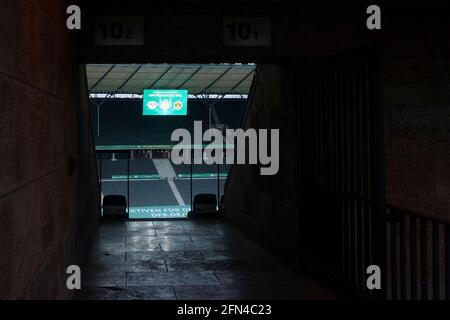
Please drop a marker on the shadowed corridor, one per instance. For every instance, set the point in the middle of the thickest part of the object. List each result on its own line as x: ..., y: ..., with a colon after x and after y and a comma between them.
x: 187, y: 260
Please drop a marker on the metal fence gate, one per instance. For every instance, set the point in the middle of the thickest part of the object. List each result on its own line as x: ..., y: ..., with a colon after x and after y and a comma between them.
x: 341, y: 154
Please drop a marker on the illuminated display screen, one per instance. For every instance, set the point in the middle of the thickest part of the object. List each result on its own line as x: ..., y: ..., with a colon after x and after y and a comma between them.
x: 165, y: 102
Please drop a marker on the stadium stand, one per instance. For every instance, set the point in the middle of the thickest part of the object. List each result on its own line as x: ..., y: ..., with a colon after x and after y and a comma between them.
x: 182, y: 168
x: 142, y: 193
x: 122, y: 122
x: 199, y: 168
x: 119, y: 166
x: 111, y: 187
x: 151, y: 193
x: 142, y: 167
x: 204, y: 186
x: 184, y: 187
x: 115, y: 167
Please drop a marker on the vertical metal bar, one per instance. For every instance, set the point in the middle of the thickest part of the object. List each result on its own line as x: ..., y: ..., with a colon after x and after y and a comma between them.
x: 362, y: 172
x: 424, y: 254
x: 326, y: 127
x: 335, y: 139
x: 366, y: 162
x: 98, y: 121
x: 329, y: 127
x: 209, y: 107
x: 393, y: 261
x: 335, y: 132
x: 100, y: 183
x: 351, y: 165
x: 352, y: 241
x: 315, y: 143
x: 366, y: 223
x: 413, y: 258
x: 436, y: 260
x: 370, y: 208
x: 359, y: 239
x: 345, y: 231
x: 358, y: 174
x: 218, y: 185
x: 349, y: 168
x: 360, y: 160
x: 377, y: 155
x: 128, y: 183
x: 320, y: 127
x: 192, y: 163
x: 402, y: 258
x: 339, y: 167
x: 345, y: 164
x: 100, y: 171
x: 447, y: 262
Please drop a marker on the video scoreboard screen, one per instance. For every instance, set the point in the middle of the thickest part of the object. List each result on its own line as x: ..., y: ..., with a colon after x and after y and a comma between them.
x: 165, y: 102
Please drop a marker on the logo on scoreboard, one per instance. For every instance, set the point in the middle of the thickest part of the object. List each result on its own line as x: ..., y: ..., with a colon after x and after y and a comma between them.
x: 165, y: 106
x: 152, y: 105
x: 178, y: 105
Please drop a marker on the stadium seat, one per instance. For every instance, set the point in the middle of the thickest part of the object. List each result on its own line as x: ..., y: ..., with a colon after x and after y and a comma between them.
x: 115, y: 206
x: 204, y: 206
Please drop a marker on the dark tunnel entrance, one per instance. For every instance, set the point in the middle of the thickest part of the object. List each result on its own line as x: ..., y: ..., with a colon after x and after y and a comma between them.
x: 337, y: 137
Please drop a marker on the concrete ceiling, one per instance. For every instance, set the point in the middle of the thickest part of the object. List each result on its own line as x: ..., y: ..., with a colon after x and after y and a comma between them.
x: 196, y: 78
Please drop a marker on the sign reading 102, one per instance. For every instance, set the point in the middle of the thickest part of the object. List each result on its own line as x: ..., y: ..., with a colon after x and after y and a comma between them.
x: 246, y: 31
x: 119, y: 31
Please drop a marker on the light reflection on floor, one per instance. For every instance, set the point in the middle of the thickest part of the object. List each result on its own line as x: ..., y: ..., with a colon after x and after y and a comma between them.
x: 187, y: 259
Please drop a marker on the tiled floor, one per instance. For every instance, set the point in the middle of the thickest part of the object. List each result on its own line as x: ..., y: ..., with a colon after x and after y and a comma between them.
x: 187, y: 260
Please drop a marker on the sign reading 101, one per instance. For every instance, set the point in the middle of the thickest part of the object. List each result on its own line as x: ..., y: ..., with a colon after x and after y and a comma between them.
x: 246, y: 31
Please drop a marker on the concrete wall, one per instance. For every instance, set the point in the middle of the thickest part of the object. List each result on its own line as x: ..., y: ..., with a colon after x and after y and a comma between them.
x: 265, y: 207
x: 48, y: 203
x: 417, y: 111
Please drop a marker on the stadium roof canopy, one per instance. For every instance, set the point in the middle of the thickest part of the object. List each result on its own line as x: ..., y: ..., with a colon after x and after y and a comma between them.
x: 196, y: 78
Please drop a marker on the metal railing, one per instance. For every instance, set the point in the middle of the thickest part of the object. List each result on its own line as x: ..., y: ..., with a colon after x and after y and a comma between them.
x: 417, y: 256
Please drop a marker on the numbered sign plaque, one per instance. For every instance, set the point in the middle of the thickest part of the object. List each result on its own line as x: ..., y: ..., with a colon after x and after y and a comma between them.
x: 250, y: 31
x: 119, y: 31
